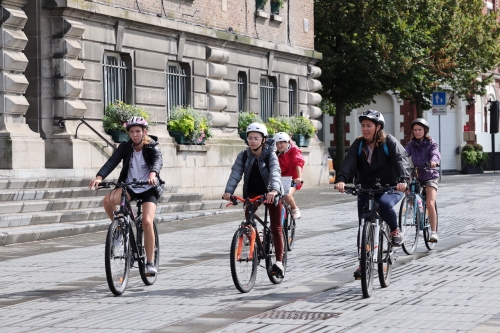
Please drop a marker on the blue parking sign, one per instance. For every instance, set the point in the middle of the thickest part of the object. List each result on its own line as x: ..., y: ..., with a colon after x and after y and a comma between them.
x: 439, y: 98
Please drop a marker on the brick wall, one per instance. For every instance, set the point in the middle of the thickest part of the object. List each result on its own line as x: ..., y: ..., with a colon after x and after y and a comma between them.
x: 240, y: 15
x: 347, y: 129
x: 409, y: 113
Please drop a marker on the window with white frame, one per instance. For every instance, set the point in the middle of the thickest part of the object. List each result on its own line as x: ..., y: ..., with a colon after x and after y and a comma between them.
x: 267, y: 97
x: 115, y: 78
x: 242, y: 91
x: 177, y: 85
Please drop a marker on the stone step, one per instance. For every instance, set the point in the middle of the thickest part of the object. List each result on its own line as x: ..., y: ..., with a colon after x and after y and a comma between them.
x: 31, y: 233
x: 56, y: 183
x: 35, y: 205
x: 74, y: 192
x: 91, y: 214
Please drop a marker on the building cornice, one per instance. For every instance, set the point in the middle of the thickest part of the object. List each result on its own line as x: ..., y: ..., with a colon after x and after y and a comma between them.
x: 161, y: 23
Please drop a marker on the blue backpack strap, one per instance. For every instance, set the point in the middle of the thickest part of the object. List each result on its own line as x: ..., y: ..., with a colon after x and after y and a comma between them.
x: 386, y: 149
x: 384, y: 146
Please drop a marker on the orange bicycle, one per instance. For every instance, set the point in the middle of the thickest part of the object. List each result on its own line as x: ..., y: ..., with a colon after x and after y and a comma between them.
x: 249, y: 247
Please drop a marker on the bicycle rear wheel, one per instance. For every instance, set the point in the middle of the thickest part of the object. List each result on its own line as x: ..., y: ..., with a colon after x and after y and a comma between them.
x: 149, y: 280
x: 408, y: 224
x: 289, y: 229
x: 117, y: 257
x: 243, y: 268
x: 271, y: 256
x: 385, y: 256
x: 427, y: 228
x: 366, y: 264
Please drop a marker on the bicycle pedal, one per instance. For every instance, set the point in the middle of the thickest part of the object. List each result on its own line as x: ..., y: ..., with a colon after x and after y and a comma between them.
x: 357, y: 278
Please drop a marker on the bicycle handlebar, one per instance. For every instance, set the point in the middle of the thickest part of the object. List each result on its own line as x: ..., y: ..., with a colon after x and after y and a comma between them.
x: 234, y: 199
x: 136, y: 183
x: 355, y: 190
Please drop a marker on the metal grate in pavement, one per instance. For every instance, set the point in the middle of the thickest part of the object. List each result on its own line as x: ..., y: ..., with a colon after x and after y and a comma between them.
x: 304, y: 315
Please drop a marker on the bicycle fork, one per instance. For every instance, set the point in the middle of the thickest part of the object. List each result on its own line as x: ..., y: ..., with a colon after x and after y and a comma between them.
x: 251, y: 234
x: 375, y: 236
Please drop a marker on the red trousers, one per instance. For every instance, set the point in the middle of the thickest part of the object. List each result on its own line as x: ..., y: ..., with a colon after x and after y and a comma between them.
x: 276, y: 225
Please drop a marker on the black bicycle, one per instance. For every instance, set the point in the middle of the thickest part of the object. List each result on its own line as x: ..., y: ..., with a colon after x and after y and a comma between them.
x: 289, y: 223
x: 249, y: 247
x: 374, y: 240
x: 123, y: 249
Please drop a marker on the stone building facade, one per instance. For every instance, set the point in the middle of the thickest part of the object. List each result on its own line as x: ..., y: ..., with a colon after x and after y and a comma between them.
x: 63, y: 60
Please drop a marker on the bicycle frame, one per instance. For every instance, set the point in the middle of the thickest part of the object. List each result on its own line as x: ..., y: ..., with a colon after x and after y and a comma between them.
x: 421, y: 194
x: 251, y: 227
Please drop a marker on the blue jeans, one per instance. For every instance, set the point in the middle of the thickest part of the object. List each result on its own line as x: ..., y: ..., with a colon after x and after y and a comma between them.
x: 386, y: 204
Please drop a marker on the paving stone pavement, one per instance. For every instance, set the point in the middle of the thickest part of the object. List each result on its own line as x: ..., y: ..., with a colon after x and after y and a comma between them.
x: 454, y: 288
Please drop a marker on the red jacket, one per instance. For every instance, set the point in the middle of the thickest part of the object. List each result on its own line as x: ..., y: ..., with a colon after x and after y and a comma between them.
x: 289, y: 160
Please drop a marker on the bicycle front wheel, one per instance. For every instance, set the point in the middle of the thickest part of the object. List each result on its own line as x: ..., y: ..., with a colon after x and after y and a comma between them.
x: 385, y: 256
x: 243, y: 268
x: 117, y: 257
x: 150, y: 279
x: 271, y: 256
x: 408, y: 224
x: 427, y: 228
x: 366, y: 264
x: 289, y: 228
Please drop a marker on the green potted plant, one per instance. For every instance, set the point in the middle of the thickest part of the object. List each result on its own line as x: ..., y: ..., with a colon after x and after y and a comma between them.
x: 244, y: 119
x: 276, y: 5
x: 116, y: 115
x: 189, y: 126
x: 278, y: 124
x: 473, y: 158
x: 302, y: 130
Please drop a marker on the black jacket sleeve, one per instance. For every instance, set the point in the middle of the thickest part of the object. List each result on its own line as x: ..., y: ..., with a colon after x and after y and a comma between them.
x: 348, y: 168
x: 399, y: 158
x: 113, y: 161
x: 157, y: 159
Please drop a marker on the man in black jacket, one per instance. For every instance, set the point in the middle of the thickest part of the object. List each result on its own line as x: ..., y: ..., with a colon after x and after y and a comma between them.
x: 142, y: 160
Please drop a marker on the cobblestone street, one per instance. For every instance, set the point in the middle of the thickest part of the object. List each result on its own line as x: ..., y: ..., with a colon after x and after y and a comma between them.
x: 60, y: 286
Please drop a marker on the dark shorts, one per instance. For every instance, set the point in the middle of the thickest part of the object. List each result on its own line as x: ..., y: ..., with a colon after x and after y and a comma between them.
x: 146, y: 196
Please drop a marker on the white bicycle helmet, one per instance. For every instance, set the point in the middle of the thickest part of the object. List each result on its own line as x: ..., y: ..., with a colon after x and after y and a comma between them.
x: 281, y: 136
x: 257, y: 127
x: 136, y: 121
x: 374, y: 116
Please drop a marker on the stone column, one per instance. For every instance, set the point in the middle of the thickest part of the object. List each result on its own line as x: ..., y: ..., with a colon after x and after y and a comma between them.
x: 20, y: 147
x: 217, y: 88
x: 313, y: 98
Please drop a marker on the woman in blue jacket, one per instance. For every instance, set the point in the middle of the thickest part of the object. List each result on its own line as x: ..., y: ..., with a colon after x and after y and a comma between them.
x: 422, y: 149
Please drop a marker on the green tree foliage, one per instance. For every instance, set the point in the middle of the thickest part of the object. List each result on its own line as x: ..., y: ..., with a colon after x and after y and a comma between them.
x: 365, y: 46
x: 453, y: 42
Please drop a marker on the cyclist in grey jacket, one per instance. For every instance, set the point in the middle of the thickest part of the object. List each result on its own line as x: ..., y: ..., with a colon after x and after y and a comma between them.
x: 259, y: 166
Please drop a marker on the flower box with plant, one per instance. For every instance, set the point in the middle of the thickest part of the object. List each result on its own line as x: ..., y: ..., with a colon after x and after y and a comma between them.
x: 278, y: 124
x: 189, y: 126
x: 302, y: 130
x: 117, y: 114
x: 474, y: 158
x: 244, y: 119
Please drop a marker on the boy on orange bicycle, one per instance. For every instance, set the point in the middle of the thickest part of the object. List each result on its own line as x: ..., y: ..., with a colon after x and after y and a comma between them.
x: 291, y: 164
x: 262, y: 175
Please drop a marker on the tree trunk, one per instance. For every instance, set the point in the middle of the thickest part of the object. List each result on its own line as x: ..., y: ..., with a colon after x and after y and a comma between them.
x: 339, y: 135
x: 418, y: 102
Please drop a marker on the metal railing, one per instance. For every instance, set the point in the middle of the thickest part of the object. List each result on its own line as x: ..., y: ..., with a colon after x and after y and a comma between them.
x: 291, y: 98
x: 115, y: 79
x: 176, y: 86
x: 267, y: 92
x: 242, y: 89
x: 82, y: 121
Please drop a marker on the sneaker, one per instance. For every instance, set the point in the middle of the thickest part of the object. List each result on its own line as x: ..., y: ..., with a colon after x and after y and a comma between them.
x: 434, y: 238
x: 397, y: 238
x: 357, y: 274
x: 151, y: 268
x: 296, y: 213
x: 278, y: 269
